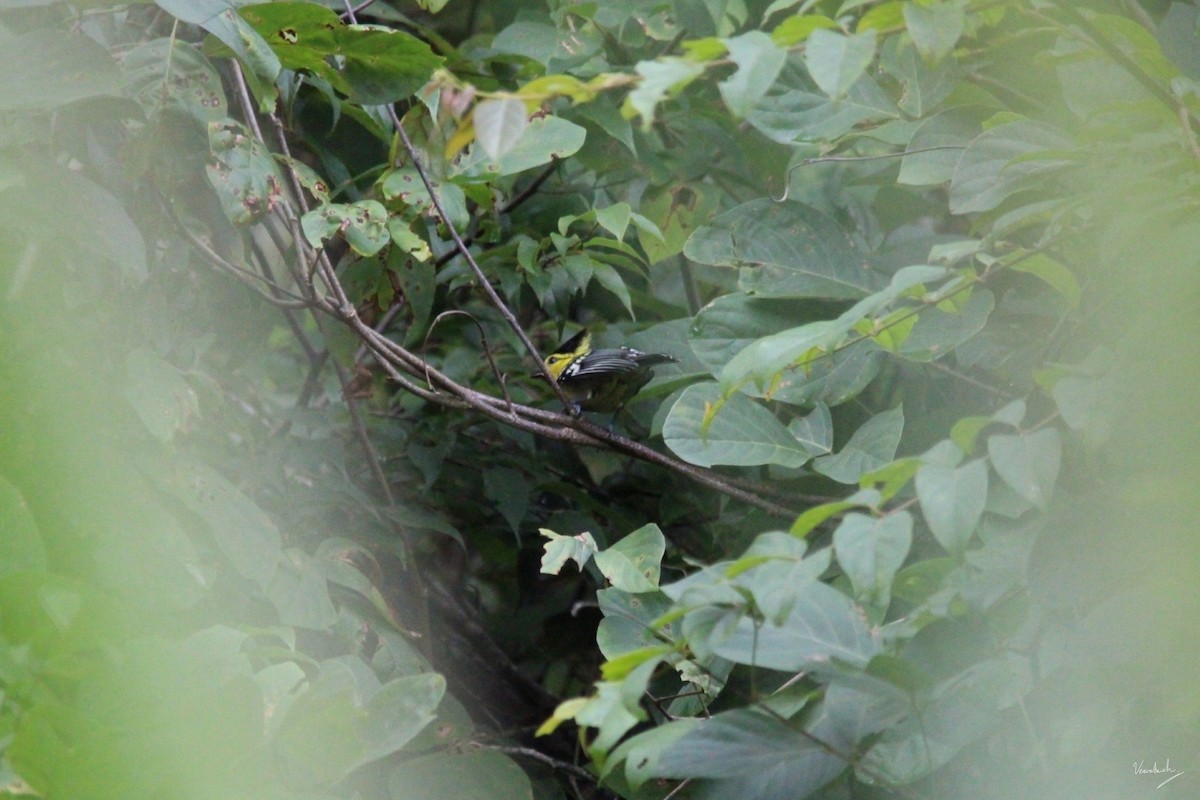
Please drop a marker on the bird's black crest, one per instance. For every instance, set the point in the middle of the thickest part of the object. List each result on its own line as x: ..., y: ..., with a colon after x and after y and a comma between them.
x: 570, y: 344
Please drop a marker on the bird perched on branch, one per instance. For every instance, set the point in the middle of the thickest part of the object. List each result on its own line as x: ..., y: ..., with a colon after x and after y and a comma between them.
x: 601, y: 380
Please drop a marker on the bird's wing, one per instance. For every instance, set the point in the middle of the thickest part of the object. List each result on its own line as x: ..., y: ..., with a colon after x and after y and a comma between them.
x: 603, y: 362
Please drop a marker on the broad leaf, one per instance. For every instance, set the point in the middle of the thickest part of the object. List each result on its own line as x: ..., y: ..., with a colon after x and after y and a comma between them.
x: 742, y: 432
x: 1028, y: 462
x: 633, y: 563
x: 545, y: 139
x: 824, y: 625
x: 989, y: 170
x: 872, y: 446
x: 759, y: 61
x: 482, y: 775
x: 871, y: 550
x: 371, y: 65
x: 934, y: 28
x: 786, y: 250
x: 499, y: 125
x: 836, y: 61
x: 758, y: 756
x: 952, y: 501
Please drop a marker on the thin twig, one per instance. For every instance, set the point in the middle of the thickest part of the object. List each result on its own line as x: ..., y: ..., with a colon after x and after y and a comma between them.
x: 968, y: 379
x: 487, y: 351
x: 350, y: 12
x: 577, y: 431
x: 251, y: 279
x: 538, y: 755
x: 484, y: 282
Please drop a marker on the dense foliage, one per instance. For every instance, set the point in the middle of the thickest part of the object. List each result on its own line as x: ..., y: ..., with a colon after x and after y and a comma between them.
x: 288, y: 509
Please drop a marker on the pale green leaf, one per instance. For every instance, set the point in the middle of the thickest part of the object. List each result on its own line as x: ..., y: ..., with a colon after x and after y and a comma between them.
x: 758, y: 60
x: 871, y: 446
x: 741, y: 433
x: 952, y: 501
x: 836, y: 60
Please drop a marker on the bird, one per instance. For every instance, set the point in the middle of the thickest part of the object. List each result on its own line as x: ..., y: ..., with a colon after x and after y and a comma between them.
x: 601, y: 380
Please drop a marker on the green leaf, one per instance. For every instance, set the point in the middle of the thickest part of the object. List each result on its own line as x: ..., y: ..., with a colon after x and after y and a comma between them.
x: 615, y: 218
x: 1012, y: 414
x: 990, y: 169
x: 660, y: 79
x: 544, y: 43
x: 604, y: 113
x: 47, y: 68
x: 561, y: 548
x: 20, y: 543
x: 641, y: 752
x: 545, y: 139
x: 370, y: 64
x: 815, y: 431
x: 793, y: 112
x: 509, y: 492
x: 1079, y: 402
x: 243, y: 172
x: 222, y: 20
x: 729, y: 323
x: 889, y: 479
x: 299, y: 592
x: 751, y: 754
x: 244, y: 533
x: 924, y: 85
x: 347, y: 719
x: 632, y: 621
x: 633, y: 563
x: 740, y: 433
x: 952, y: 501
x: 836, y: 61
x: 916, y: 582
x: 73, y: 212
x: 453, y: 775
x: 786, y: 250
x: 871, y: 549
x: 882, y: 17
x: 611, y: 280
x: 1053, y: 273
x: 952, y: 129
x: 405, y: 184
x: 499, y: 125
x: 417, y: 276
x: 816, y: 515
x: 958, y: 711
x: 823, y: 625
x: 758, y: 62
x: 831, y: 378
x: 159, y: 394
x: 938, y: 331
x: 871, y: 446
x: 934, y: 28
x: 363, y: 224
x: 795, y: 29
x: 167, y: 74
x: 1028, y: 462
x: 616, y: 707
x: 775, y: 570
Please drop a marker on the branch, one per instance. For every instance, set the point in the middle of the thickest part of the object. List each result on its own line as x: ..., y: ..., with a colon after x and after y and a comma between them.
x: 484, y: 282
x: 397, y: 360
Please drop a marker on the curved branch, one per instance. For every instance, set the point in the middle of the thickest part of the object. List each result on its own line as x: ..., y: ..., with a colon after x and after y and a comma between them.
x: 484, y: 282
x: 394, y: 358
